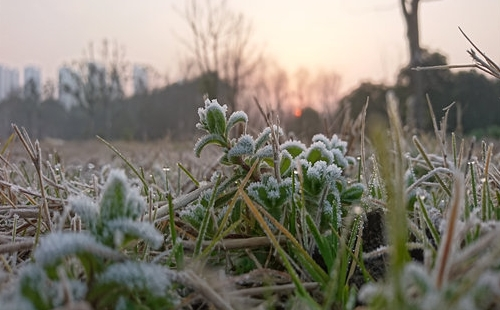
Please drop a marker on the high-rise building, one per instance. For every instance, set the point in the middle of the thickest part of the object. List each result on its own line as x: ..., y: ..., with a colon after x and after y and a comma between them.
x: 9, y: 81
x: 69, y: 88
x: 32, y: 82
x: 140, y: 77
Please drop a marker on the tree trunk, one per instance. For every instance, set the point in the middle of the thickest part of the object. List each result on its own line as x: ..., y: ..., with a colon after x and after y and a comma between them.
x: 410, y: 13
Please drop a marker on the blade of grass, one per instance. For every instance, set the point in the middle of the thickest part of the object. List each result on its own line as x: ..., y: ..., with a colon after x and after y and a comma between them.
x: 301, y: 290
x: 128, y: 163
x: 189, y: 174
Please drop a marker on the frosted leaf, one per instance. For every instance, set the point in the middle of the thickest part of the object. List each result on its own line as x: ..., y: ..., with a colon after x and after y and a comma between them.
x: 244, y: 146
x: 32, y: 283
x: 339, y: 158
x: 416, y: 277
x: 323, y: 172
x: 263, y: 138
x: 295, y: 148
x: 138, y: 276
x: 370, y: 291
x: 265, y: 152
x: 206, y: 140
x: 212, y: 117
x: 86, y: 208
x: 119, y: 200
x: 337, y: 143
x: 271, y: 194
x: 122, y: 228
x: 236, y: 117
x: 318, y: 152
x: 321, y: 138
x: 56, y: 246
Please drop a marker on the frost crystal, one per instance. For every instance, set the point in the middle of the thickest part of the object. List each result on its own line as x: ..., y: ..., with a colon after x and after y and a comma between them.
x: 202, y: 112
x: 119, y: 199
x: 244, y: 146
x: 265, y: 152
x: 138, y: 276
x: 323, y: 172
x: 339, y: 158
x: 86, y: 208
x: 269, y: 193
x: 318, y: 151
x: 295, y: 148
x: 59, y: 245
x: 143, y: 230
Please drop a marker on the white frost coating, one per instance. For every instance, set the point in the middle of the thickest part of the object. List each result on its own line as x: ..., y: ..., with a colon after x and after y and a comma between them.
x: 202, y: 112
x: 333, y: 144
x: 337, y: 143
x: 237, y: 116
x: 265, y: 152
x: 58, y: 245
x: 271, y: 186
x: 293, y: 144
x: 144, y: 230
x: 323, y: 172
x: 244, y: 146
x: 134, y: 202
x: 321, y: 147
x: 138, y: 276
x: 319, y: 137
x: 339, y: 158
x: 85, y: 207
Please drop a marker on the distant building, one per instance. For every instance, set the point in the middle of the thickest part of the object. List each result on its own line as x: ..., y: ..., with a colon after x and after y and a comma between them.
x: 140, y: 77
x: 32, y: 82
x: 9, y: 81
x: 69, y: 88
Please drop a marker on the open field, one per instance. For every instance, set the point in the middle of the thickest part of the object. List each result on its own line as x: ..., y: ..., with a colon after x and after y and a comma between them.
x: 253, y: 223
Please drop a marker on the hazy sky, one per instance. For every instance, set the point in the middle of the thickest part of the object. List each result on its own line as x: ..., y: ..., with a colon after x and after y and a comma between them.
x: 360, y: 39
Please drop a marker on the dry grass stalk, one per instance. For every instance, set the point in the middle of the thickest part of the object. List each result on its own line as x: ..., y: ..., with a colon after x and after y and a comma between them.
x: 484, y: 64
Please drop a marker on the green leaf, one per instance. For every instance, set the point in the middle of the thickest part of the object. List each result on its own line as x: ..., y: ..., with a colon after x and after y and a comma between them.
x: 324, y: 248
x: 236, y: 117
x: 295, y: 148
x: 318, y: 152
x: 208, y: 139
x: 352, y: 194
x: 216, y: 120
x: 285, y: 163
x: 114, y: 198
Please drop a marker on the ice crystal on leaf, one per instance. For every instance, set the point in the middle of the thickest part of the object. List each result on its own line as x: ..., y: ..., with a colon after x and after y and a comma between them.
x: 212, y: 117
x: 271, y: 194
x: 87, y: 209
x: 123, y: 229
x: 235, y: 118
x: 294, y: 148
x: 137, y: 276
x: 318, y: 152
x: 57, y: 246
x: 319, y: 175
x: 119, y: 199
x: 244, y: 146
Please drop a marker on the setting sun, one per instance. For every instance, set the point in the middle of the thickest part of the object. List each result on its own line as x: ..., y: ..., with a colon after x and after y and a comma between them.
x: 298, y: 112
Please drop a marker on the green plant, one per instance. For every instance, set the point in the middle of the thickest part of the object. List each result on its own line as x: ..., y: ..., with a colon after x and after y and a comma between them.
x: 101, y: 265
x: 287, y: 188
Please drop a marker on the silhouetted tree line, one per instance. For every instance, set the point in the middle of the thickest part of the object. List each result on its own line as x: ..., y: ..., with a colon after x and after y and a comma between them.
x: 476, y: 98
x: 170, y: 111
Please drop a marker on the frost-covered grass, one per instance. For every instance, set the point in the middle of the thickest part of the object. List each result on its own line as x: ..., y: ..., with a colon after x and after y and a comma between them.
x: 257, y: 222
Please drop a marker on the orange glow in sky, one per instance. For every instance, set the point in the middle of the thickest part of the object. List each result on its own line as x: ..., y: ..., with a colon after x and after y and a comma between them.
x: 297, y: 112
x: 362, y: 40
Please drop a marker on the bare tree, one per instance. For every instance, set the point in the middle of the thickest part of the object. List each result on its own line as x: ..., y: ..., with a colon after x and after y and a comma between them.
x: 416, y: 103
x: 220, y: 44
x: 100, y: 82
x: 326, y: 87
x: 271, y: 85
